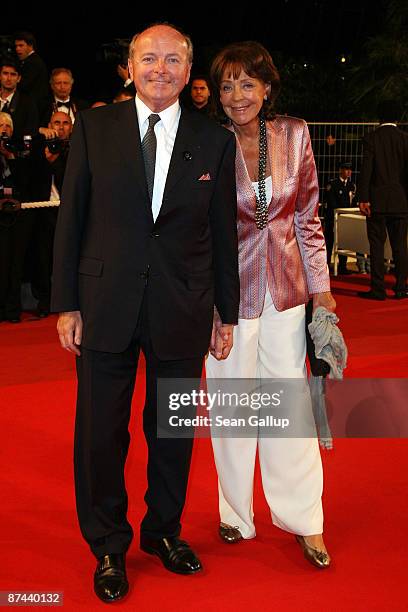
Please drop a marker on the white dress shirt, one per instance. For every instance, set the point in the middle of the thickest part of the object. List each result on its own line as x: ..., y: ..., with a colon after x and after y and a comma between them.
x: 165, y: 130
x: 65, y: 109
x: 6, y: 100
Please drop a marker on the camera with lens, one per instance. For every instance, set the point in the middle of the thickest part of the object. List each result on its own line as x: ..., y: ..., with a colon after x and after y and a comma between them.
x: 57, y: 145
x: 20, y: 147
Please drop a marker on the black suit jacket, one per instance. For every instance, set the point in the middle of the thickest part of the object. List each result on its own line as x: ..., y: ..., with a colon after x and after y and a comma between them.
x: 24, y: 113
x: 338, y: 194
x: 383, y: 178
x: 108, y: 248
x: 34, y: 80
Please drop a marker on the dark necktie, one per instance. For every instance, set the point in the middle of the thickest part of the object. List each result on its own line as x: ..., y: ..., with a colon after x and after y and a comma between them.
x: 67, y: 104
x: 149, y: 144
x: 6, y: 107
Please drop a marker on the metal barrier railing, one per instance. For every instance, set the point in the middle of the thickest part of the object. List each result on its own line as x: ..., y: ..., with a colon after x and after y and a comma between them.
x: 332, y: 142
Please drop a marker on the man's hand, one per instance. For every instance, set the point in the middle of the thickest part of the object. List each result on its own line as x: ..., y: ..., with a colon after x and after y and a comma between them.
x: 48, y: 133
x: 221, y: 338
x: 69, y: 329
x: 365, y: 208
x: 324, y: 299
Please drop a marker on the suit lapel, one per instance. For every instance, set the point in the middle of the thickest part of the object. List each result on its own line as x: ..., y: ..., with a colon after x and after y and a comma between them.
x: 276, y: 151
x: 184, y: 151
x: 127, y: 137
x: 276, y: 137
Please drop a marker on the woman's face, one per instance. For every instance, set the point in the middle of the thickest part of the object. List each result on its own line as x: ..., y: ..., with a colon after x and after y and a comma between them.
x: 242, y: 98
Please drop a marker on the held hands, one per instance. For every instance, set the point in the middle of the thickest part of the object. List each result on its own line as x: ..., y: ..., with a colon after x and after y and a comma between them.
x: 324, y: 299
x: 69, y: 329
x: 365, y: 208
x: 221, y: 338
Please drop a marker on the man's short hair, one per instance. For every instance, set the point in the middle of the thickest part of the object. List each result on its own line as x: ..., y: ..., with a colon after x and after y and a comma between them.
x: 28, y: 37
x: 6, y: 118
x: 11, y: 63
x: 201, y: 77
x: 57, y: 71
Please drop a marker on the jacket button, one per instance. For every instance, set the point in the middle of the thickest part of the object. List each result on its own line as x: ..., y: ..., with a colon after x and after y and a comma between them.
x: 154, y: 235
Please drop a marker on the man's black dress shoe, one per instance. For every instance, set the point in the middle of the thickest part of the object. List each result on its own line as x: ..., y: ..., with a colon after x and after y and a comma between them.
x: 110, y: 581
x: 400, y: 295
x: 175, y: 554
x: 370, y: 295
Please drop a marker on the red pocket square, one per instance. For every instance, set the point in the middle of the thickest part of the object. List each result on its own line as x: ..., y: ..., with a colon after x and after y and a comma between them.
x: 205, y: 177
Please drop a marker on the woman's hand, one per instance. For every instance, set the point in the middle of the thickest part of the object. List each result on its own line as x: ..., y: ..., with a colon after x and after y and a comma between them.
x: 324, y: 299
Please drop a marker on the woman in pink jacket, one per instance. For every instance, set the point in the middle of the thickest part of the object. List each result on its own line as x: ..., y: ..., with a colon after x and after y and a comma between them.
x: 282, y: 259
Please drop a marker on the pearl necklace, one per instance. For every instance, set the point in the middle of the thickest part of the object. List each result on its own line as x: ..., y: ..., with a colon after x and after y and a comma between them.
x: 261, y: 212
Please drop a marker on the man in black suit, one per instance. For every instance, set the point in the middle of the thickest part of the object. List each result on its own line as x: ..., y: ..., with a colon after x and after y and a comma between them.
x: 145, y: 246
x: 50, y: 176
x: 200, y: 93
x: 383, y: 195
x: 34, y: 73
x: 61, y: 82
x: 340, y: 193
x: 19, y: 105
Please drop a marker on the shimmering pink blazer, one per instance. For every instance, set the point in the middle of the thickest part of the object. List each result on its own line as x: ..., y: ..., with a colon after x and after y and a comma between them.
x: 289, y: 255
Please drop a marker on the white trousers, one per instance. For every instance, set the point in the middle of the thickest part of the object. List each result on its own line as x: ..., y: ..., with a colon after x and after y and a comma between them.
x: 272, y: 346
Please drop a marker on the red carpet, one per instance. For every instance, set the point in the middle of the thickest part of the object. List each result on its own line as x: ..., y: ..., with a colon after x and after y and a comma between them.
x: 365, y: 500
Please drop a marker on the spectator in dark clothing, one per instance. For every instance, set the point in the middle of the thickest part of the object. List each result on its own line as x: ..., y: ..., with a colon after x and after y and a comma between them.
x: 34, y: 74
x: 19, y: 105
x: 52, y: 171
x: 383, y: 196
x: 340, y: 193
x: 14, y: 225
x: 200, y: 93
x: 123, y: 73
x: 61, y: 99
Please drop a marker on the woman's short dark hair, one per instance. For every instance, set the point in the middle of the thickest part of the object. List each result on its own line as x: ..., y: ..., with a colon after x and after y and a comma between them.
x: 251, y: 57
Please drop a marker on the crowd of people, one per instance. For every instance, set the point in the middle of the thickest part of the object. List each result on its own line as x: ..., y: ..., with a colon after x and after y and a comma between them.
x: 38, y: 112
x: 37, y: 116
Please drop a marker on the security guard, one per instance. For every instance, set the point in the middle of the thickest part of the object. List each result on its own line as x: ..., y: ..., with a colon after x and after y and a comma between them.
x: 340, y: 193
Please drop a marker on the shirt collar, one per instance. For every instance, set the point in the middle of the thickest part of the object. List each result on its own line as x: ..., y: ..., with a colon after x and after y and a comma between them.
x: 9, y: 97
x: 168, y: 116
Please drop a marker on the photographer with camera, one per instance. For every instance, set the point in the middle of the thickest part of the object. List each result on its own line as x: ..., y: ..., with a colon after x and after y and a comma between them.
x: 54, y: 154
x: 15, y: 226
